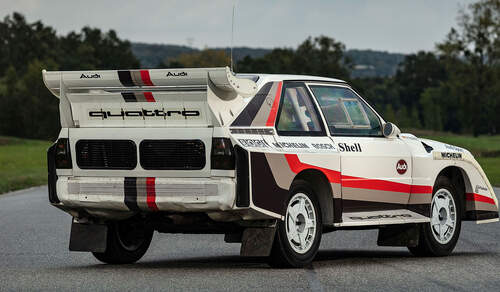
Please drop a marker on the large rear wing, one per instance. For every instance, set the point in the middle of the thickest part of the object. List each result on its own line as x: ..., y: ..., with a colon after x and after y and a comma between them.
x: 150, y: 80
x: 216, y: 93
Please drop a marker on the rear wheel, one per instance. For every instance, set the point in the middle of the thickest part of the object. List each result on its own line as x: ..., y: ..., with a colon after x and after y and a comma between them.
x: 439, y: 237
x: 127, y: 242
x: 299, y: 235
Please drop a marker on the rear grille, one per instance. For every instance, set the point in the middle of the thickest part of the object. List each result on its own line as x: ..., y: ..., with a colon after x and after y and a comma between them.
x: 172, y: 154
x: 106, y: 154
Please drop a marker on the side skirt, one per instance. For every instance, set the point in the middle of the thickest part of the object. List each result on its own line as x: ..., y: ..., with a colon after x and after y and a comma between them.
x: 384, y: 217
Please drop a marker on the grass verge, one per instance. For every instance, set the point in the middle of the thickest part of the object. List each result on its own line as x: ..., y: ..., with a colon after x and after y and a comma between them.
x: 22, y: 163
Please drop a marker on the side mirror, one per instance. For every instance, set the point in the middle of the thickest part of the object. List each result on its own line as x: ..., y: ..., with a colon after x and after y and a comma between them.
x: 391, y: 130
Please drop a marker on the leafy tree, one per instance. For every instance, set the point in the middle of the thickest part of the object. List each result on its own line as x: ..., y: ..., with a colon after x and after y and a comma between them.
x: 321, y: 56
x: 472, y: 55
x: 27, y: 108
x: 203, y: 59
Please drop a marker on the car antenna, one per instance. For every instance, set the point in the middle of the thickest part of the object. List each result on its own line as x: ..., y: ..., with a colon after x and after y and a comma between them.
x: 232, y: 34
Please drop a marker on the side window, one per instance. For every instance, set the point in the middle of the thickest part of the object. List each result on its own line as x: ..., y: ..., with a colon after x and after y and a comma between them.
x: 297, y: 115
x: 345, y: 112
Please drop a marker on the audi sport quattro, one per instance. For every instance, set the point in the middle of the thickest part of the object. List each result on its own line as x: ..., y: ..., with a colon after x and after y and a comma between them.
x: 270, y: 161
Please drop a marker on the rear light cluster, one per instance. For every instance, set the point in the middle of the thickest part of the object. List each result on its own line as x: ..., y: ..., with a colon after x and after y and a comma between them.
x: 222, y: 154
x: 63, y: 155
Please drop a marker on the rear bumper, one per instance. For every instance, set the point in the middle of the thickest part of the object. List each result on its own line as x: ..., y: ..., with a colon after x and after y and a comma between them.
x: 145, y: 194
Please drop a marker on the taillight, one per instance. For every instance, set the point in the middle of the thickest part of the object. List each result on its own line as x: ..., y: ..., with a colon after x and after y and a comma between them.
x: 63, y: 155
x: 222, y: 154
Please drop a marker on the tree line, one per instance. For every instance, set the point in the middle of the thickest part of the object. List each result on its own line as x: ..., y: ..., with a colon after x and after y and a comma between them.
x: 27, y: 108
x: 455, y: 88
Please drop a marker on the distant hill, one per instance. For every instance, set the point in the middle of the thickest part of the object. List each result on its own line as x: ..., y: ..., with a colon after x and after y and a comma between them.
x: 367, y: 63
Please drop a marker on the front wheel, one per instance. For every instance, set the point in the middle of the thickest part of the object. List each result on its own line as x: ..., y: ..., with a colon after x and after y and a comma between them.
x: 299, y: 235
x: 127, y: 242
x: 439, y: 237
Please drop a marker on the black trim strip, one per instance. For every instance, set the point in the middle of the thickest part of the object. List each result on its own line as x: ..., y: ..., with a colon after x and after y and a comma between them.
x: 52, y: 177
x: 129, y: 97
x: 480, y: 215
x: 247, y: 116
x: 125, y: 78
x: 242, y: 177
x: 130, y: 191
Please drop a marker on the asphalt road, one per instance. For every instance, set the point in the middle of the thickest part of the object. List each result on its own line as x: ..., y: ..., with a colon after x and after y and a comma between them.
x: 34, y: 256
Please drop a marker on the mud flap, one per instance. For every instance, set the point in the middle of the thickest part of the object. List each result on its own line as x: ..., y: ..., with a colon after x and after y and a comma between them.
x: 88, y: 237
x: 399, y: 235
x: 257, y: 242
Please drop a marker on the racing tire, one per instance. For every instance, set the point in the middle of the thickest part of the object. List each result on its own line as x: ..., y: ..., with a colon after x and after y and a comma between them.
x: 127, y: 242
x: 439, y: 237
x: 298, y: 237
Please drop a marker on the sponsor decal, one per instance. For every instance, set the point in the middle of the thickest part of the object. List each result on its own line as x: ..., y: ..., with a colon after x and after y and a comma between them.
x: 177, y: 74
x: 480, y: 188
x: 323, y: 146
x: 453, y: 148
x: 451, y: 155
x: 254, y: 143
x: 381, y: 217
x: 344, y: 147
x: 95, y: 75
x: 290, y: 145
x: 401, y: 167
x: 102, y: 114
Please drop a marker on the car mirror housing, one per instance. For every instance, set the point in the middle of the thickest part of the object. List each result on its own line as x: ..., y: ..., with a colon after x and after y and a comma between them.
x: 391, y: 130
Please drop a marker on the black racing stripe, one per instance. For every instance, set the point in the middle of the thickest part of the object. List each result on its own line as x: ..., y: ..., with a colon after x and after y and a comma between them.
x: 129, y: 97
x: 125, y: 78
x: 130, y: 189
x: 366, y: 206
x: 248, y: 114
x: 263, y: 184
x: 480, y: 215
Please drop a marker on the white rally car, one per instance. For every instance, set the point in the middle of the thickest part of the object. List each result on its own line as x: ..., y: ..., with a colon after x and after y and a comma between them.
x: 271, y: 161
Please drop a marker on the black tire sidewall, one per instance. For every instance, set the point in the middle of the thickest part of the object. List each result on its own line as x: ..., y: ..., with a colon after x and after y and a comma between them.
x: 435, y: 247
x: 115, y: 252
x: 292, y: 257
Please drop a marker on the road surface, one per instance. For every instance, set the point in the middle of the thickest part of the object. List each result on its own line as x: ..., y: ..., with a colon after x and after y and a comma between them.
x: 34, y: 256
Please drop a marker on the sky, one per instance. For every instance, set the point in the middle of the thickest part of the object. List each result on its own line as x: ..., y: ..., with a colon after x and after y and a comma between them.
x: 403, y: 26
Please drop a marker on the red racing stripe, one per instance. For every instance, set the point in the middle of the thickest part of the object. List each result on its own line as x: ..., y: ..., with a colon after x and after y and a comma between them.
x: 146, y: 79
x: 151, y: 193
x: 274, y: 109
x: 356, y: 182
x: 479, y: 198
x: 421, y: 189
x: 296, y: 166
x: 149, y: 97
x: 374, y: 184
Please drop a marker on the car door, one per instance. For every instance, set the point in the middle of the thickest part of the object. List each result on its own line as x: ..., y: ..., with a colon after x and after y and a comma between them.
x: 375, y: 170
x: 302, y: 138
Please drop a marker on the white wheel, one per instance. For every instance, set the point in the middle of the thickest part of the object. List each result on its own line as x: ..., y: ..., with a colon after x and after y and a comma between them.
x: 300, y: 223
x: 443, y: 216
x: 440, y: 235
x: 298, y: 236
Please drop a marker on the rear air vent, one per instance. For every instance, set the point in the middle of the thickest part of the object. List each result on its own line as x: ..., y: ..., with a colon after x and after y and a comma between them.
x: 172, y: 154
x: 106, y: 154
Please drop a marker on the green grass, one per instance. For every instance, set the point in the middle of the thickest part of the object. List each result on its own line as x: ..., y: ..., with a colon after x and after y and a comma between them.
x: 22, y: 163
x: 486, y: 149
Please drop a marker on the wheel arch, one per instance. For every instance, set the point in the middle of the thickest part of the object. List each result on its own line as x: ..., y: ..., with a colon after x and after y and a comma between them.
x: 460, y: 180
x: 322, y: 189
